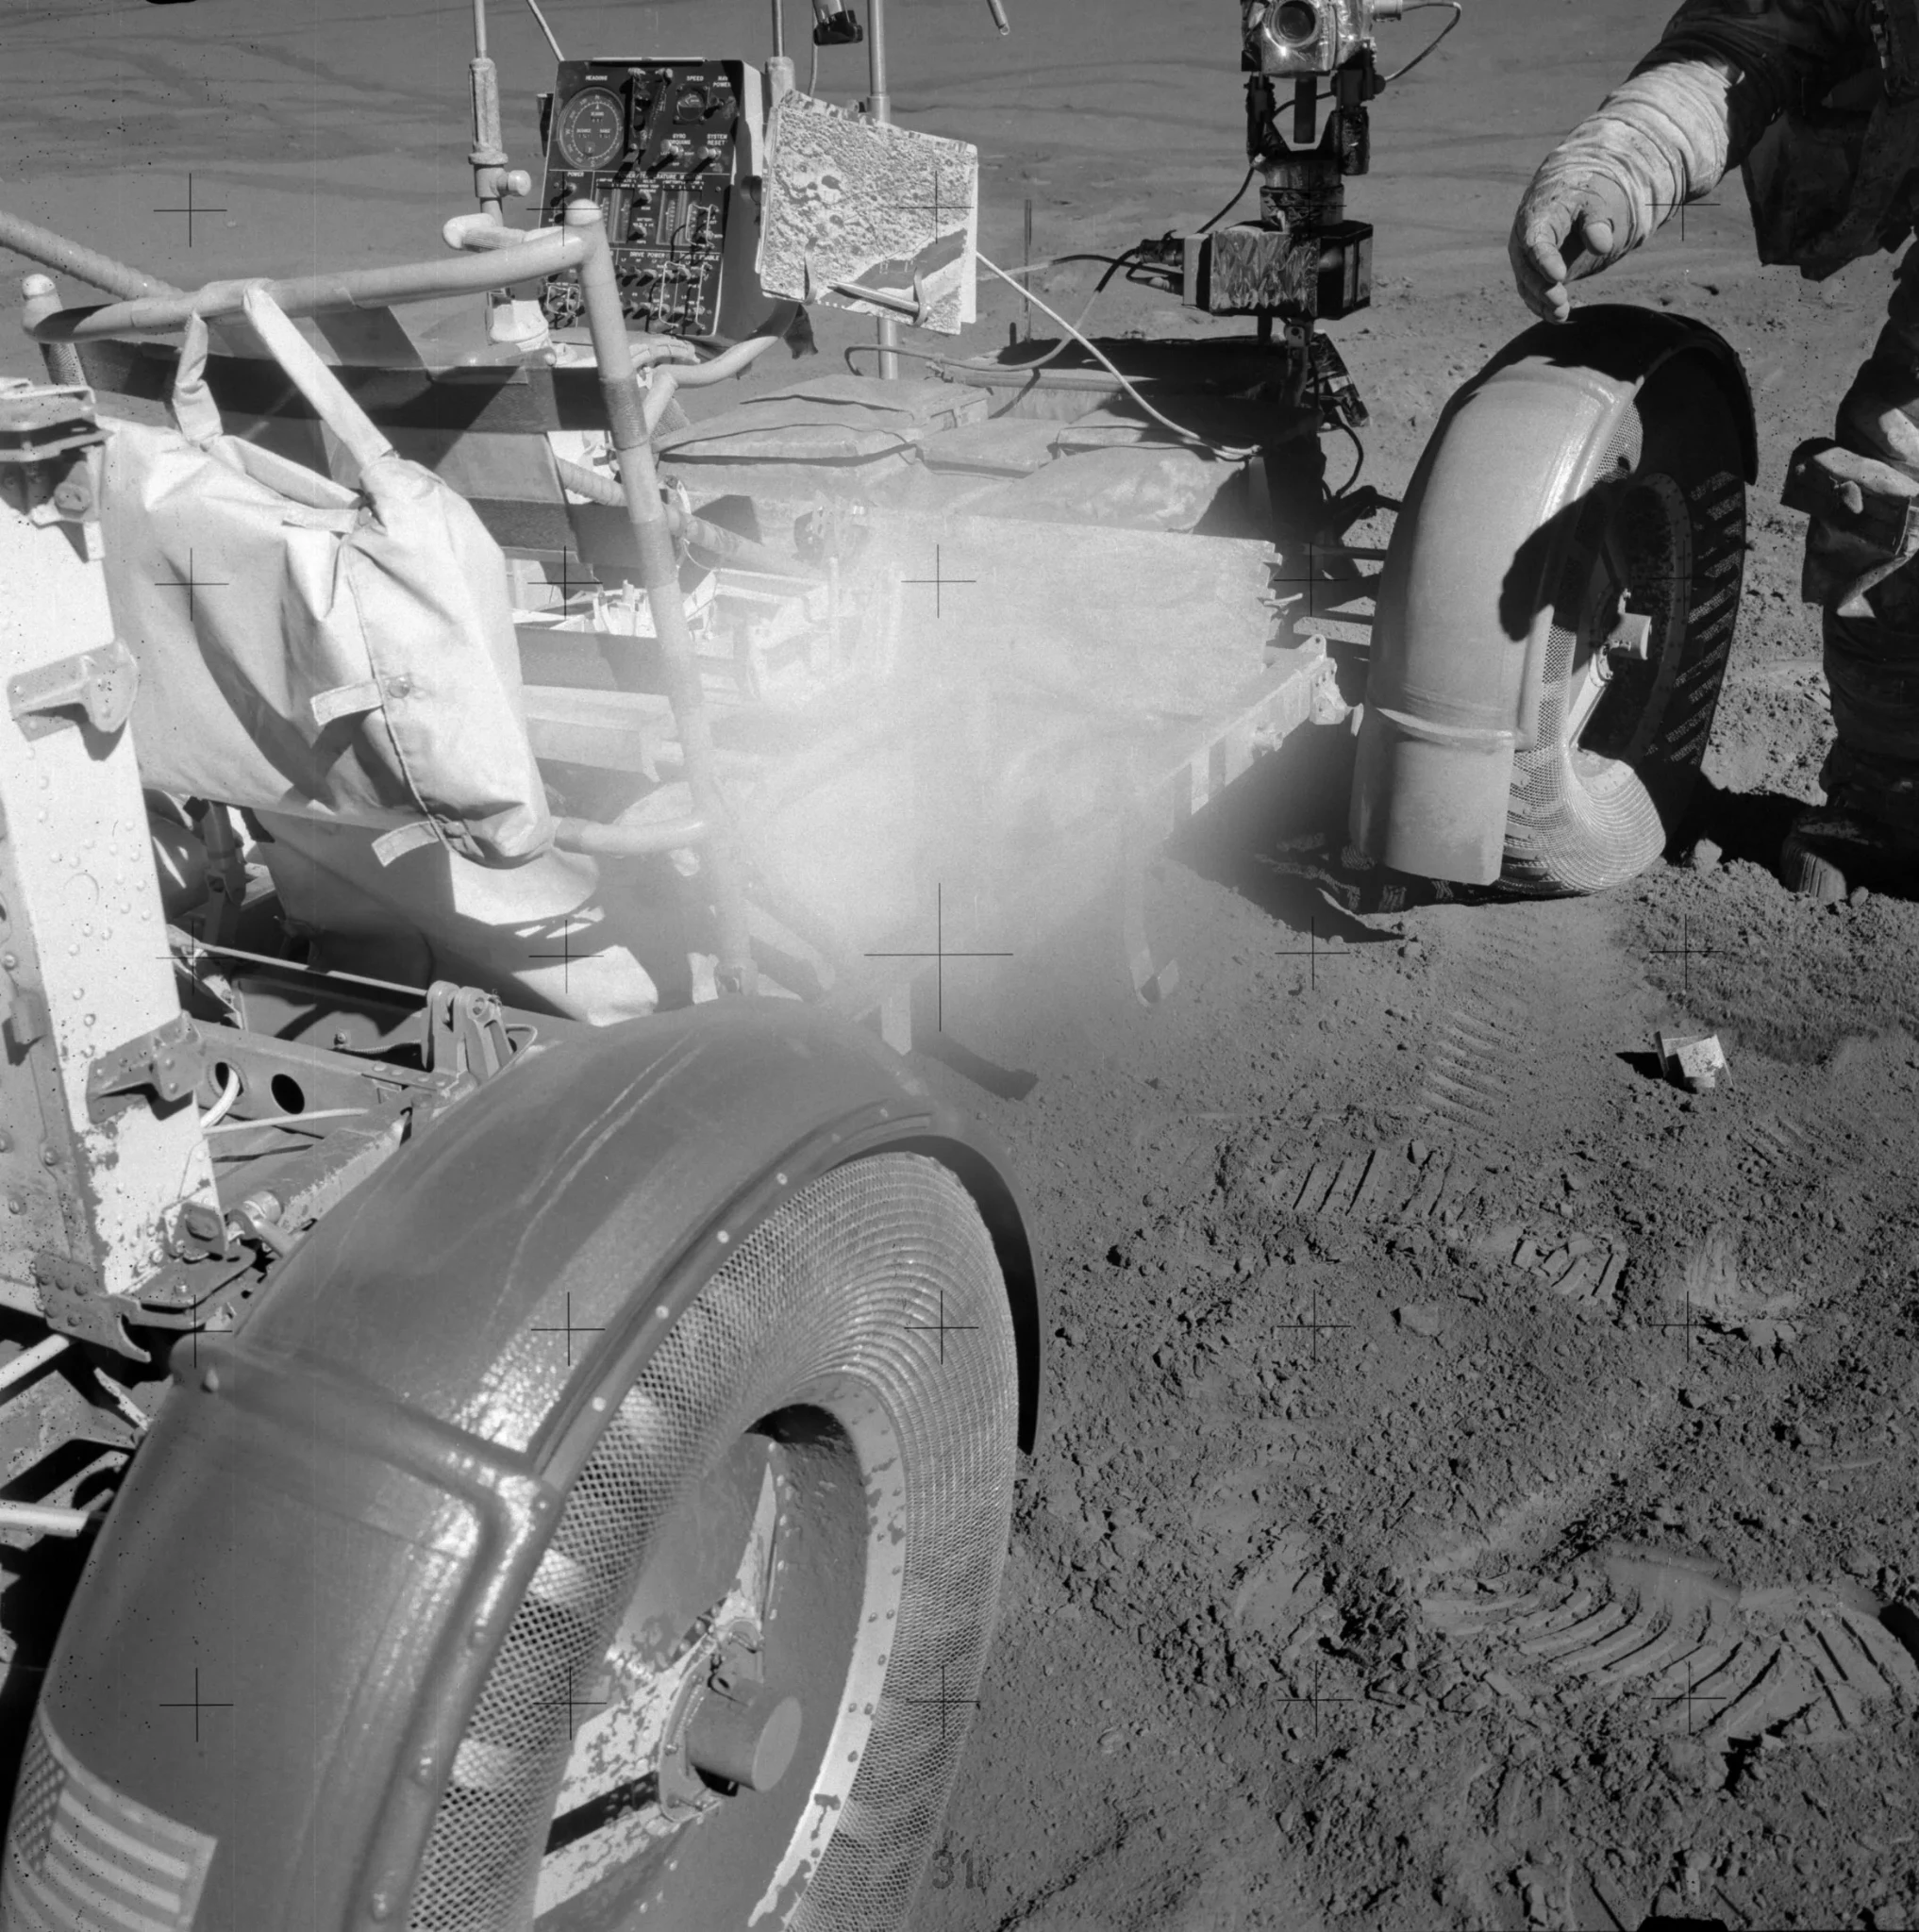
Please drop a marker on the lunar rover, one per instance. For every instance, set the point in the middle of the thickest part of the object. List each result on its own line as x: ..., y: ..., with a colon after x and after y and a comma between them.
x: 533, y: 1374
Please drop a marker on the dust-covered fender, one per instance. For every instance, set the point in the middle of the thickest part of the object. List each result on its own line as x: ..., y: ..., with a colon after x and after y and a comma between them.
x: 1454, y: 682
x: 337, y: 1510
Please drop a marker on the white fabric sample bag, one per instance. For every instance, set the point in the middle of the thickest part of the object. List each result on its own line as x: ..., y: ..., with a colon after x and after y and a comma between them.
x: 345, y: 654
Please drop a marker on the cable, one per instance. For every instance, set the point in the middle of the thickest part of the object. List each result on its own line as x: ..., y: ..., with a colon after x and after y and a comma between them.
x: 1033, y: 268
x: 977, y: 362
x: 1413, y: 6
x: 1185, y: 435
x: 1052, y: 354
x: 1238, y: 196
x: 224, y: 1106
x: 1345, y: 488
x: 918, y: 356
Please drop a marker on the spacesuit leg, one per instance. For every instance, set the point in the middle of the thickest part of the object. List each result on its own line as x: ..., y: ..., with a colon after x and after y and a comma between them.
x: 1872, y: 661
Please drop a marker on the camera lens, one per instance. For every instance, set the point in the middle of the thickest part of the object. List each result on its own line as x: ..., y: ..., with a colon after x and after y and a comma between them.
x: 1296, y: 21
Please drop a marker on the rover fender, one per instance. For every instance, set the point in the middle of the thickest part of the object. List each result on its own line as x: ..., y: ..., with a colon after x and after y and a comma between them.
x: 314, y: 1555
x: 1466, y: 611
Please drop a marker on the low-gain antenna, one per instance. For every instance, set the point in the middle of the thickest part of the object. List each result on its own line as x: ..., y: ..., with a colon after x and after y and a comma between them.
x: 554, y: 45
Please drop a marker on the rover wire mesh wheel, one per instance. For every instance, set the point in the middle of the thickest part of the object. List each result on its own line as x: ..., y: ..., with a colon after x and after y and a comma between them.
x: 1644, y: 601
x: 736, y: 1691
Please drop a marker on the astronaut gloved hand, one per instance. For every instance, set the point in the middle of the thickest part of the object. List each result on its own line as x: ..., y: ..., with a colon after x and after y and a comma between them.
x: 1573, y: 222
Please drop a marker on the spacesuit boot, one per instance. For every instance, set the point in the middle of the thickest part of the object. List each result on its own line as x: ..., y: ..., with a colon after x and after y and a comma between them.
x: 1860, y: 550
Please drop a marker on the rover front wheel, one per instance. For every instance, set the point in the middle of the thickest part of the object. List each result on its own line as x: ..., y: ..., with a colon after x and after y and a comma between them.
x: 735, y: 1694
x: 1644, y: 602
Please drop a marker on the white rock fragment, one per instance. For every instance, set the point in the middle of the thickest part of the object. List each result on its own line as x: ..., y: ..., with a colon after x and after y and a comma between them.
x: 1694, y: 1063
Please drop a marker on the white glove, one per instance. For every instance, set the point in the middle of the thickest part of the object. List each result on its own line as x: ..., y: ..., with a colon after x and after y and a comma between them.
x: 1569, y: 225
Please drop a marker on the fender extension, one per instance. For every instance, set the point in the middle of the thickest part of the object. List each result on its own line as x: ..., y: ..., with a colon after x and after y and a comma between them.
x: 336, y: 1511
x: 1447, y: 689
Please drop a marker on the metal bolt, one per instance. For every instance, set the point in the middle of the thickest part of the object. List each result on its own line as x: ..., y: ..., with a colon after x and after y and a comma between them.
x: 50, y: 1157
x: 9, y: 960
x: 422, y: 1768
x: 211, y: 1381
x: 16, y: 1203
x: 5, y: 1142
x: 380, y: 1905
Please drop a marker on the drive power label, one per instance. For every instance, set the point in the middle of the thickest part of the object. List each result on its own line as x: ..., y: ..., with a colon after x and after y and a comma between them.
x: 82, y: 1858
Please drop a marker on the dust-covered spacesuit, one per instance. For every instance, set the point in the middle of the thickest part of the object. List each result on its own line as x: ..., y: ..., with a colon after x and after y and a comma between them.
x: 1818, y: 100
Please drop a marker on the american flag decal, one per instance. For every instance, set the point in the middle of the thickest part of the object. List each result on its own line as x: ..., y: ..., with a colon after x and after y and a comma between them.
x: 82, y: 1858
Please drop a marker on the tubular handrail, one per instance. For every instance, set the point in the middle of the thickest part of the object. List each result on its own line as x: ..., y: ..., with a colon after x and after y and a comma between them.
x: 88, y: 264
x: 630, y: 841
x: 369, y: 287
x: 723, y: 543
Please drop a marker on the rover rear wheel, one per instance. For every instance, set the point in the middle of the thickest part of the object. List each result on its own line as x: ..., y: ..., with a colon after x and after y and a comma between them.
x: 736, y: 1691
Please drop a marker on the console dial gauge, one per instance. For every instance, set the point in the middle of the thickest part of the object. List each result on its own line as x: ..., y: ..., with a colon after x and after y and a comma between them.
x: 593, y: 129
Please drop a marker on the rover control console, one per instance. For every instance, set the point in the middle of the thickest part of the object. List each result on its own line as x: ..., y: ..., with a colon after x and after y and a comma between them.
x: 671, y: 151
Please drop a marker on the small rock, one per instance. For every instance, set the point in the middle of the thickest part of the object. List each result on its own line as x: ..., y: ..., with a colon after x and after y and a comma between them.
x: 1858, y: 897
x: 1859, y: 1561
x: 1422, y: 1318
x: 1706, y: 855
x: 1417, y: 1151
x: 1691, y: 1398
x: 1110, y: 1741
